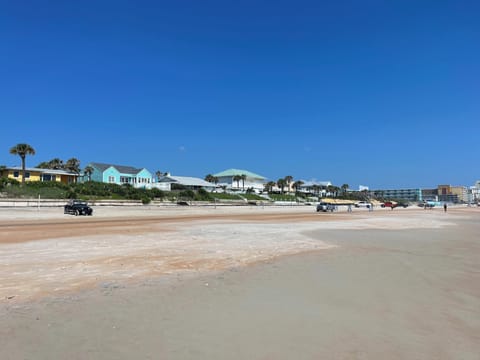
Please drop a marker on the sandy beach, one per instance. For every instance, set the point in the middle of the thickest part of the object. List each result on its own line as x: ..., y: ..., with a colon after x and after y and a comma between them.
x: 240, y: 282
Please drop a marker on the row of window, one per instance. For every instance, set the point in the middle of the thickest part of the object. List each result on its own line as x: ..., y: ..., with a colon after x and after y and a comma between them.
x: 129, y: 180
x: 43, y: 177
x: 17, y: 174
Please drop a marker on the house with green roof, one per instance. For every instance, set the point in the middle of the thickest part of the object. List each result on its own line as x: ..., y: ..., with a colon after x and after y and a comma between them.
x: 120, y: 174
x: 239, y: 180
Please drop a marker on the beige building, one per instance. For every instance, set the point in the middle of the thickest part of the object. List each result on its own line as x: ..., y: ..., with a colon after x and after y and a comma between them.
x: 454, y: 194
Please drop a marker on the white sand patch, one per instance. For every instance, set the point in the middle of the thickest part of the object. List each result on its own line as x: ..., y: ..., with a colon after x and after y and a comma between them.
x: 390, y: 223
x: 35, y: 268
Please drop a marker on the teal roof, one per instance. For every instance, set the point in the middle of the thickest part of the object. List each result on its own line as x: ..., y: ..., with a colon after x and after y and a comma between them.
x: 233, y: 172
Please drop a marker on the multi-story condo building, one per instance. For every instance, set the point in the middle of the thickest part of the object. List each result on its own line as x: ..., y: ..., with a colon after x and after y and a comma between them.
x: 453, y: 194
x: 400, y: 194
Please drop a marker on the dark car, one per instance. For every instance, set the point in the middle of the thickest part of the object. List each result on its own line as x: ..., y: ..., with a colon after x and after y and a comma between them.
x: 325, y: 207
x: 77, y: 207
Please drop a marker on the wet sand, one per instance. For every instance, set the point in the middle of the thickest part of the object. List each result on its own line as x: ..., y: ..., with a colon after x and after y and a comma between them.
x: 391, y: 285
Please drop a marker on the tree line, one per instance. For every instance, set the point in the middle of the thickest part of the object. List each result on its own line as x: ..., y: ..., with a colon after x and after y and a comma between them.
x: 73, y: 165
x: 287, y: 183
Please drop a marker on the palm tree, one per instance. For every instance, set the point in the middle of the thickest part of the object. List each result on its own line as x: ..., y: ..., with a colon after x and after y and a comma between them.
x: 330, y: 190
x: 297, y: 184
x: 212, y: 179
x: 288, y: 180
x: 22, y: 150
x: 281, y: 184
x: 73, y: 165
x: 209, y: 178
x: 56, y: 164
x: 237, y: 178
x: 43, y: 165
x: 335, y: 190
x: 244, y: 177
x: 269, y: 186
x: 344, y: 189
x: 89, y: 171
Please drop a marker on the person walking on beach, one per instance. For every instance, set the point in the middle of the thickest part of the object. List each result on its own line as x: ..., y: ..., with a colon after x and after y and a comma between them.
x: 445, y: 207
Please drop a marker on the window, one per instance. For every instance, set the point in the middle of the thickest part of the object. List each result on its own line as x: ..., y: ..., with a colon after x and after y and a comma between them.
x: 47, y: 177
x: 15, y: 174
x: 111, y: 179
x: 27, y: 175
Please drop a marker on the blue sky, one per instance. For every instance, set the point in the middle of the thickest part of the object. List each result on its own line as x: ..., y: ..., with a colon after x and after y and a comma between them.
x: 378, y: 93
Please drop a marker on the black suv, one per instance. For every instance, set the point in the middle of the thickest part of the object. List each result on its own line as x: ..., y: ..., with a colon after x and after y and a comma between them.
x: 77, y: 207
x: 325, y: 207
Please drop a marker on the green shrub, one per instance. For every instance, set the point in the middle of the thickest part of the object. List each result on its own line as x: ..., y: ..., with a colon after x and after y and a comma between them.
x: 282, y: 197
x: 156, y: 193
x: 225, y: 196
x: 203, y: 195
x: 186, y: 195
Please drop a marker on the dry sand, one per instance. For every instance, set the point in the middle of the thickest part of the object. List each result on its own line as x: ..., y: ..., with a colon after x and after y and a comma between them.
x: 206, y: 283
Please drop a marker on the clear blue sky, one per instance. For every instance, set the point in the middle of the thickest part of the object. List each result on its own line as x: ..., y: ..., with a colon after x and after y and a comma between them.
x: 378, y: 93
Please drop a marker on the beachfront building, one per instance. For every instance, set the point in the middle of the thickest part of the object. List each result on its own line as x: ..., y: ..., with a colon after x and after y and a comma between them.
x: 400, y: 194
x: 38, y: 174
x: 475, y: 191
x: 240, y: 180
x: 455, y: 194
x: 317, y: 188
x: 169, y: 182
x: 119, y: 174
x: 430, y: 195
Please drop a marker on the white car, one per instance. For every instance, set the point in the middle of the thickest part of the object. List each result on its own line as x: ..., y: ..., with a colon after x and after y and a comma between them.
x: 363, y: 204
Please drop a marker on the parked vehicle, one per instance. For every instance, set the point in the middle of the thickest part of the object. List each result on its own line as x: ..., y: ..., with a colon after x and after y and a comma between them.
x: 363, y: 204
x: 394, y: 204
x: 77, y: 207
x: 325, y: 207
x: 427, y: 204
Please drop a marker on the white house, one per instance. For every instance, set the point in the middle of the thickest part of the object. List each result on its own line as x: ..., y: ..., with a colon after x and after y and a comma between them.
x: 167, y: 182
x: 315, y: 187
x: 246, y: 180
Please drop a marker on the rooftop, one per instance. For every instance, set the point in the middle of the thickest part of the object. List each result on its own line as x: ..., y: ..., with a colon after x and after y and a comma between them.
x: 234, y: 172
x: 121, y: 168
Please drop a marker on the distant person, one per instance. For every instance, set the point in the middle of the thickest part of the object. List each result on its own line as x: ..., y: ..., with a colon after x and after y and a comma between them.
x: 445, y: 207
x: 349, y: 208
